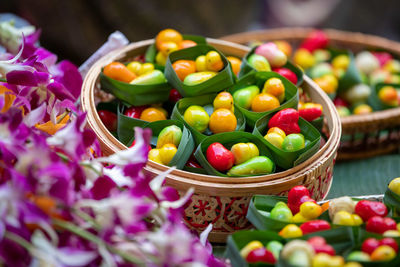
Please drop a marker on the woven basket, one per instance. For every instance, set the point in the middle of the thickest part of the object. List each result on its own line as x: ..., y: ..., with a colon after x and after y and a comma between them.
x: 220, y: 200
x: 369, y: 134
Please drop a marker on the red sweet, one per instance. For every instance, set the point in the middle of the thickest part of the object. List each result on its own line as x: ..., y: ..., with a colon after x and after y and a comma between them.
x: 382, y: 57
x: 287, y: 120
x: 174, y: 95
x: 134, y: 112
x: 390, y: 242
x: 287, y: 73
x: 298, y: 195
x: 219, y: 157
x: 367, y: 209
x: 320, y: 246
x: 192, y: 162
x: 261, y: 255
x: 315, y: 40
x: 109, y: 119
x: 369, y: 245
x: 310, y: 114
x: 340, y: 102
x: 380, y: 225
x: 314, y: 226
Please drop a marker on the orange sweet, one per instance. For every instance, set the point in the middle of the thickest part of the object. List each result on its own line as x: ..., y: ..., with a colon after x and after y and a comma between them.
x: 184, y: 67
x: 264, y: 102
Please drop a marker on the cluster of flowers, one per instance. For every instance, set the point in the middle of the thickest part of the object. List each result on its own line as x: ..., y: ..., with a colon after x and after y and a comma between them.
x: 61, y: 203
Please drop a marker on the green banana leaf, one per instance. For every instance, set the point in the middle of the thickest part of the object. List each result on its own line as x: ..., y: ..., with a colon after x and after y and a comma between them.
x: 184, y: 103
x: 126, y: 125
x: 185, y: 148
x: 352, y: 75
x: 245, y: 67
x: 194, y: 170
x: 228, y: 140
x: 240, y: 239
x: 136, y: 95
x: 318, y: 123
x: 374, y: 100
x: 392, y: 201
x: 110, y: 106
x: 224, y: 79
x: 151, y: 52
x: 258, y: 79
x: 285, y: 159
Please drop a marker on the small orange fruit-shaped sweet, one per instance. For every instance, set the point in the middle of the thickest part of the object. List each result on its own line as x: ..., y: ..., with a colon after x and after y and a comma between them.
x: 214, y: 61
x: 222, y: 120
x: 275, y: 87
x: 223, y: 100
x: 383, y: 253
x: 285, y: 47
x: 168, y: 35
x: 201, y: 63
x: 235, y: 63
x: 264, y: 102
x: 152, y: 114
x: 119, y: 72
x: 277, y: 130
x: 184, y: 67
x: 186, y: 44
x: 168, y: 47
x: 362, y: 109
x: 388, y: 95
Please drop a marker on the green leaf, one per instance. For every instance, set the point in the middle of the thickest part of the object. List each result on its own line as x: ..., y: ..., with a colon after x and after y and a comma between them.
x: 258, y: 79
x: 318, y: 123
x: 246, y: 68
x: 374, y: 100
x: 224, y: 79
x: 184, y: 103
x: 286, y: 159
x: 351, y: 77
x: 186, y: 145
x: 392, y: 201
x: 136, y: 95
x: 110, y: 106
x: 228, y: 140
x: 126, y: 125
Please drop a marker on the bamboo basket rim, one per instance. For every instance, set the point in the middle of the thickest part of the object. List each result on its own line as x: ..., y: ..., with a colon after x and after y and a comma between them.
x: 354, y: 38
x: 198, y: 180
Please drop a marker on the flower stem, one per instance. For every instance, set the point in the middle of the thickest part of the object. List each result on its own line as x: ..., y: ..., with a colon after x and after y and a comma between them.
x: 3, y: 80
x: 17, y: 239
x: 93, y: 238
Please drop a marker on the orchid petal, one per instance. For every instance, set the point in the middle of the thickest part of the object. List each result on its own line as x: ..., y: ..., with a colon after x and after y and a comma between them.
x: 35, y: 116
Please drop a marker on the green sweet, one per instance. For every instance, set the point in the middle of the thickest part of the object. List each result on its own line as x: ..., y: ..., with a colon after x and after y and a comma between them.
x: 275, y: 247
x: 259, y: 62
x: 281, y: 212
x: 253, y: 166
x: 169, y: 135
x: 358, y: 256
x: 243, y: 97
x: 293, y: 142
x: 152, y: 77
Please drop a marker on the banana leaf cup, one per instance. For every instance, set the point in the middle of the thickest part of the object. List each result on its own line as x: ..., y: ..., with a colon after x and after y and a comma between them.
x: 186, y: 145
x: 285, y: 159
x: 246, y: 68
x: 184, y: 103
x: 258, y: 78
x: 126, y: 125
x: 228, y: 140
x: 134, y: 94
x: 392, y: 201
x: 151, y: 52
x: 374, y: 100
x: 224, y: 78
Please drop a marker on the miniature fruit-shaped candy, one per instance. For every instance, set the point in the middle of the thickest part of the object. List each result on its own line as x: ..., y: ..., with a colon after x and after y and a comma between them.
x: 134, y: 111
x: 256, y: 165
x: 366, y: 62
x: 320, y: 246
x: 275, y: 87
x: 134, y: 66
x: 167, y: 152
x: 275, y: 139
x: 222, y: 120
x: 380, y: 225
x: 270, y: 51
x: 258, y: 62
x: 277, y: 131
x: 298, y: 218
x: 168, y: 35
x: 394, y: 185
x: 295, y: 195
x: 161, y: 59
x: 264, y: 102
x: 341, y: 204
x: 119, y: 72
x: 367, y: 209
x: 223, y: 100
x: 198, y: 77
x: 214, y: 61
x: 383, y: 253
x: 168, y: 47
x: 358, y: 256
x: 219, y: 157
x: 281, y: 212
x: 287, y: 73
x: 357, y: 93
x: 174, y: 96
x: 154, y: 155
x: 235, y: 63
x: 341, y: 62
x: 109, y: 119
x: 293, y: 142
x: 343, y: 111
x: 152, y: 114
x: 249, y: 247
x: 145, y: 68
x: 320, y: 70
x: 244, y: 97
x: 298, y: 253
x: 201, y: 63
x: 304, y: 58
x: 390, y: 242
x: 314, y: 226
x: 316, y: 39
x: 345, y: 218
x: 362, y: 109
x: 186, y: 44
x: 285, y: 47
x: 369, y: 245
x: 310, y: 210
x: 321, y: 55
x: 260, y: 255
x: 389, y: 96
x: 183, y: 68
x: 275, y: 247
x: 287, y: 120
x: 196, y: 117
x: 328, y: 83
x: 149, y: 78
x: 291, y: 231
x: 169, y: 135
x: 244, y: 151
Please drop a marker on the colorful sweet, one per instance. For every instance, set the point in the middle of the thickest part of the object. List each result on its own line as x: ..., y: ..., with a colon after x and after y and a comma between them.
x: 219, y: 157
x: 291, y: 231
x: 244, y: 151
x: 286, y: 120
x: 310, y: 111
x: 281, y: 212
x: 214, y: 61
x: 223, y: 100
x: 287, y: 73
x: 183, y: 68
x: 293, y: 142
x: 319, y: 245
x: 373, y: 249
x: 389, y: 96
x: 271, y: 52
x: 394, y: 185
x: 255, y: 252
x: 297, y: 196
x: 244, y: 97
x: 259, y: 63
x: 222, y: 120
x: 139, y: 68
x: 168, y: 41
x: 119, y: 72
x: 153, y: 114
x: 174, y: 96
x: 362, y: 109
x: 253, y: 166
x: 164, y: 154
x: 169, y: 135
x: 235, y: 63
x: 314, y: 226
x: 109, y: 119
x: 198, y: 77
x: 367, y: 209
x: 377, y: 224
x: 275, y: 87
x: 343, y: 217
x: 264, y: 102
x: 197, y: 117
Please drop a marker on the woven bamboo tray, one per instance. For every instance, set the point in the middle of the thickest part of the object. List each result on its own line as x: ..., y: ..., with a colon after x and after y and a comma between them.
x: 220, y: 200
x: 368, y: 135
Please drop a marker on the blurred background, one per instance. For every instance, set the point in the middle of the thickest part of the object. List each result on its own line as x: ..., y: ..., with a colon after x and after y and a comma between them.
x: 74, y: 29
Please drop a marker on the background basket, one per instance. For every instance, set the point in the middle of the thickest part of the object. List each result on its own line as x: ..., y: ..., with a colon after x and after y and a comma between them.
x: 366, y: 135
x: 223, y: 201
